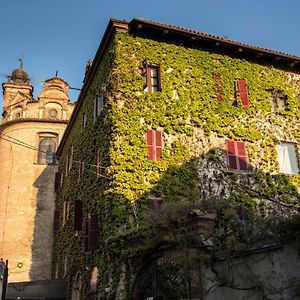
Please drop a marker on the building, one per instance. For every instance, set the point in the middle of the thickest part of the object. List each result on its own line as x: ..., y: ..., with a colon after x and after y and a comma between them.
x: 30, y: 132
x: 177, y: 167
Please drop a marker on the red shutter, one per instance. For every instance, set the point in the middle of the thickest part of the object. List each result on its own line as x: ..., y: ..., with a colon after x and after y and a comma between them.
x: 158, y: 144
x: 78, y: 215
x: 56, y: 220
x: 57, y: 181
x: 231, y: 155
x: 150, y: 144
x: 93, y: 232
x: 243, y: 91
x: 242, y: 156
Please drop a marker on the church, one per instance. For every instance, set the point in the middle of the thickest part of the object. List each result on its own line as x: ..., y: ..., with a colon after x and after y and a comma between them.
x: 30, y: 131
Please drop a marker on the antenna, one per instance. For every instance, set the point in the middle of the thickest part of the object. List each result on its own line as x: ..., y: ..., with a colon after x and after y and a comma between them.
x: 56, y: 73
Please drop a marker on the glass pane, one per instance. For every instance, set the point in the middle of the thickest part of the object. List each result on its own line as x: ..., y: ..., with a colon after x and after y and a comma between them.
x: 287, y: 159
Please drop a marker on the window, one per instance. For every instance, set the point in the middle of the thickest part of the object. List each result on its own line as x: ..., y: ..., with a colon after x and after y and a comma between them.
x: 56, y: 220
x: 237, y: 156
x: 52, y: 113
x: 98, y: 105
x: 152, y: 78
x: 154, y: 144
x: 57, y: 181
x: 219, y: 89
x: 278, y: 101
x: 78, y: 215
x: 80, y: 170
x: 242, y: 89
x: 83, y: 120
x: 98, y: 162
x: 287, y: 158
x: 155, y: 203
x: 47, y: 148
x: 66, y: 212
x: 91, y: 233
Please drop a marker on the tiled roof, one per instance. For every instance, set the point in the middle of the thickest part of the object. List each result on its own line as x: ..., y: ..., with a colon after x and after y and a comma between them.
x: 203, y: 35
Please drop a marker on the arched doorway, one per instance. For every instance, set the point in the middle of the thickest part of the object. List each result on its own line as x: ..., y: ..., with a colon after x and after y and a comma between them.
x: 162, y: 280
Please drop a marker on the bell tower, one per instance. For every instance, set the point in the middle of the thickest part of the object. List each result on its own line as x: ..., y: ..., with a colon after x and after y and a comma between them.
x: 17, y: 90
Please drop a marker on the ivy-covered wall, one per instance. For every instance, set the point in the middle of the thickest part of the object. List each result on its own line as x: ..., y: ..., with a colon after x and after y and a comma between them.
x: 192, y: 173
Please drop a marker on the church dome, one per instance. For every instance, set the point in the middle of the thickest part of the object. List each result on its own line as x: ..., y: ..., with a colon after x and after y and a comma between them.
x: 19, y: 75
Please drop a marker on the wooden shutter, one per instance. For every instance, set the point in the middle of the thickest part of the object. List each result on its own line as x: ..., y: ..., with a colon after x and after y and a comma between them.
x: 93, y: 232
x: 158, y: 144
x: 243, y: 91
x: 231, y: 155
x: 57, y: 181
x: 78, y: 215
x: 56, y: 220
x: 159, y: 78
x: 151, y: 144
x: 242, y: 156
x: 154, y: 144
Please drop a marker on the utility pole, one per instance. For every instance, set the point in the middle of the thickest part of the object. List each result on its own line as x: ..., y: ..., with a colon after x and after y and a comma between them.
x: 3, y: 278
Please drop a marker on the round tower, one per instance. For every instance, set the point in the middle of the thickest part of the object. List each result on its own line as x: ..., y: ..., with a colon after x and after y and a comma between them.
x: 29, y: 135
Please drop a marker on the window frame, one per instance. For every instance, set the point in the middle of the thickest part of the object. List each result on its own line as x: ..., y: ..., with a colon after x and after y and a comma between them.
x: 237, y: 156
x: 295, y: 158
x: 148, y: 78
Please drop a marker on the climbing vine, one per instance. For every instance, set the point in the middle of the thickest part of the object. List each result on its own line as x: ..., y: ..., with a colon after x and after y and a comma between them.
x: 193, y: 167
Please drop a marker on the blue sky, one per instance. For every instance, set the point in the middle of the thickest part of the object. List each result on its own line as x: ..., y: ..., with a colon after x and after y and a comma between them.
x: 63, y: 34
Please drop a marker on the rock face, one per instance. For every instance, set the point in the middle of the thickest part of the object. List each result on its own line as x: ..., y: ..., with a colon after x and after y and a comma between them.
x: 30, y: 132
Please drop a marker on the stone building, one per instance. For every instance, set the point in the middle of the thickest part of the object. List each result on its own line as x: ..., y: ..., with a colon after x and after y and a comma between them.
x: 30, y: 132
x: 179, y: 170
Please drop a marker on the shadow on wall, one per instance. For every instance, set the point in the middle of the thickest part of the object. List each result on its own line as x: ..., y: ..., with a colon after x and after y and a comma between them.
x: 199, y: 213
x: 43, y: 225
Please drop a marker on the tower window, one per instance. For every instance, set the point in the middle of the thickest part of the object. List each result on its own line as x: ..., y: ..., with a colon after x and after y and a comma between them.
x: 47, y: 148
x: 52, y: 113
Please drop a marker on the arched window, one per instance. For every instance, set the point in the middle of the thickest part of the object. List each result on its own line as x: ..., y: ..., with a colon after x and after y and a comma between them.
x: 47, y: 148
x: 52, y: 113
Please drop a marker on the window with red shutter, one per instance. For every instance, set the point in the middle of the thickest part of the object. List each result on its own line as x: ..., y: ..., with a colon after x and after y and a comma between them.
x: 237, y: 156
x: 152, y: 77
x: 78, y: 215
x: 243, y: 92
x: 56, y: 220
x: 219, y: 89
x: 91, y: 233
x: 57, y: 181
x: 154, y: 144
